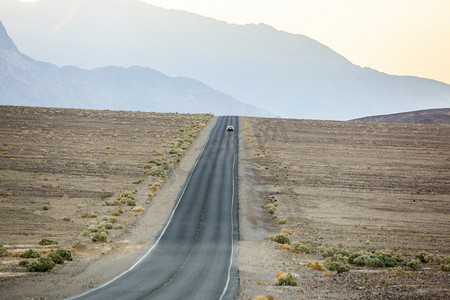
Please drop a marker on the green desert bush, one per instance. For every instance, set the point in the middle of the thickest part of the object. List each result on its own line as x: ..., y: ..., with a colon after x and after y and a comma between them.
x: 355, y: 255
x: 44, y: 242
x: 333, y: 250
x: 30, y: 254
x: 377, y: 260
x: 280, y: 239
x: 337, y: 262
x: 396, y: 272
x: 3, y: 251
x: 298, y: 247
x: 445, y: 266
x: 112, y: 220
x: 155, y: 171
x: 399, y: 258
x: 164, y: 165
x: 289, y: 279
x: 126, y: 198
x: 388, y: 260
x: 107, y: 225
x: 24, y: 263
x: 64, y: 253
x: 414, y: 264
x: 425, y: 257
x: 271, y: 209
x: 43, y: 264
x: 57, y: 259
x: 99, y: 237
x: 116, y: 212
x: 368, y: 261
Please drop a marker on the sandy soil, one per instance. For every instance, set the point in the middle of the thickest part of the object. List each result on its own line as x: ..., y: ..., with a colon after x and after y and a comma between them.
x: 362, y: 186
x: 357, y: 185
x: 71, y: 161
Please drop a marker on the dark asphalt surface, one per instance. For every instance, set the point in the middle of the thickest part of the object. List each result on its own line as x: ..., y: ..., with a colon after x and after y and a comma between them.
x: 194, y: 256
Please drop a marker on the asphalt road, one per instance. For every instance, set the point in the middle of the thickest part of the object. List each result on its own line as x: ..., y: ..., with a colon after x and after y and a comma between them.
x: 194, y: 256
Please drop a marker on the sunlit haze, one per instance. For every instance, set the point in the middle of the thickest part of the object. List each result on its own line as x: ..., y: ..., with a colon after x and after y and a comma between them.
x: 401, y: 37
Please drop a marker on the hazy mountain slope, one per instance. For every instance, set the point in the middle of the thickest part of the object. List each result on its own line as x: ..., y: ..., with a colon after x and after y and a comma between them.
x: 24, y: 81
x: 289, y: 75
x: 429, y: 116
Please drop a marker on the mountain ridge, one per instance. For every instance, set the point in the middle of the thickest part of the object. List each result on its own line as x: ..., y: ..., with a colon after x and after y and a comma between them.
x: 25, y: 81
x: 439, y: 116
x: 290, y: 75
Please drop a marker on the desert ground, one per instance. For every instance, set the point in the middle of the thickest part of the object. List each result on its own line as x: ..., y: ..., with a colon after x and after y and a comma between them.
x: 61, y: 174
x: 359, y: 186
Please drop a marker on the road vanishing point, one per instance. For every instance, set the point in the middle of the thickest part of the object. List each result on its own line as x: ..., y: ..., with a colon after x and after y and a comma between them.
x: 194, y: 255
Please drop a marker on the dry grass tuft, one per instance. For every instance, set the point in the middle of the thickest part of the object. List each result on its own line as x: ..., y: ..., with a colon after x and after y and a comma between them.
x: 280, y: 274
x: 315, y: 265
x: 286, y: 231
x: 284, y: 246
x: 138, y: 209
x: 265, y: 297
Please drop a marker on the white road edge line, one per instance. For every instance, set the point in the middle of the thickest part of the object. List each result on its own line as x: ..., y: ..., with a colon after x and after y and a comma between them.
x: 161, y: 235
x: 232, y: 235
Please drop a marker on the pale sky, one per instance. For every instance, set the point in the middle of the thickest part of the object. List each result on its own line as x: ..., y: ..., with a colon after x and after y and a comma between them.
x: 400, y: 37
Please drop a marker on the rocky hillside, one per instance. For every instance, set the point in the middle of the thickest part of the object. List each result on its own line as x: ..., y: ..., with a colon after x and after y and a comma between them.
x: 428, y: 116
x: 25, y: 81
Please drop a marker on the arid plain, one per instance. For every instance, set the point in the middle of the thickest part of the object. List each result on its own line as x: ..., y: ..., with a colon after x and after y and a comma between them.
x: 78, y: 176
x: 359, y: 186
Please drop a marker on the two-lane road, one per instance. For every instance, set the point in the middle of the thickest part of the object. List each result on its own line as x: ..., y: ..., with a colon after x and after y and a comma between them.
x: 194, y: 256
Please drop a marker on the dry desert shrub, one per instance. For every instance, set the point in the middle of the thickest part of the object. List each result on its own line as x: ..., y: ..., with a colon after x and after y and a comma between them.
x: 280, y: 274
x: 315, y: 265
x: 284, y: 246
x: 138, y: 209
x: 396, y: 272
x: 286, y: 231
x: 265, y: 297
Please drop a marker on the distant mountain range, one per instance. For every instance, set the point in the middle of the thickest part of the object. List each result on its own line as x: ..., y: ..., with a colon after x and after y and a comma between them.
x: 24, y: 81
x: 428, y: 116
x: 287, y: 74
